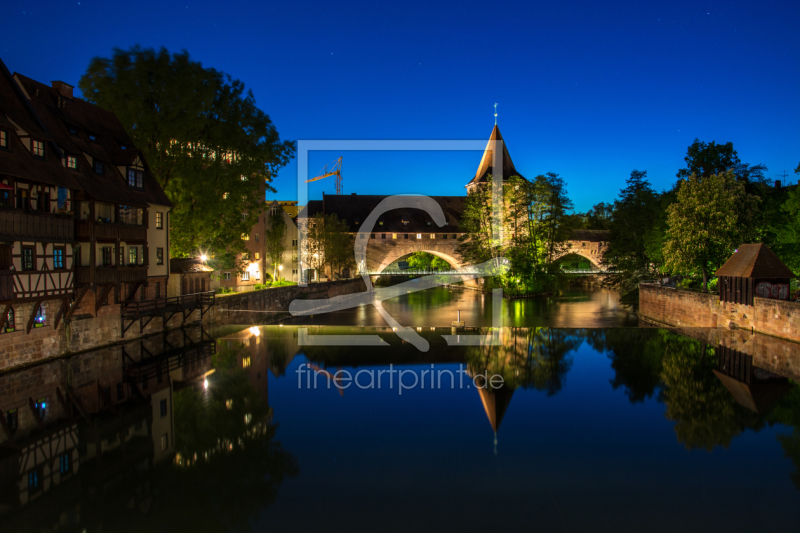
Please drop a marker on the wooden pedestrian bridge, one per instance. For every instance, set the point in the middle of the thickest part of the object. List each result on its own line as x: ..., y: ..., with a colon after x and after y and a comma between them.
x: 145, y: 311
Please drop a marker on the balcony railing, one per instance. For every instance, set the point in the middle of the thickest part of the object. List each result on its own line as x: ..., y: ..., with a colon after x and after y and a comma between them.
x: 34, y: 225
x: 103, y: 231
x: 111, y: 274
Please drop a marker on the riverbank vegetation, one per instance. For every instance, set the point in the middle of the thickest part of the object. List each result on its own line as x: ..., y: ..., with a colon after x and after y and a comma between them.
x: 686, y: 232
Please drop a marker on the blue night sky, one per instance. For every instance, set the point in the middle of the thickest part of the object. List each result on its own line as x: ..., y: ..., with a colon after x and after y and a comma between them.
x: 590, y: 90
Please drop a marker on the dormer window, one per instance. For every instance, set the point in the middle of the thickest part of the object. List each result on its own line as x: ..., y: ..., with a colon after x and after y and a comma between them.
x: 123, y: 146
x: 429, y: 222
x: 405, y: 222
x: 136, y: 178
x: 3, y: 139
x: 72, y: 162
x: 72, y: 130
x: 92, y: 137
x: 37, y: 148
x: 380, y: 222
x: 98, y: 167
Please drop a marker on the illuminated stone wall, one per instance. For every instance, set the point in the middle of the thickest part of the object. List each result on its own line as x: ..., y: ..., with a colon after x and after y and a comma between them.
x: 674, y: 307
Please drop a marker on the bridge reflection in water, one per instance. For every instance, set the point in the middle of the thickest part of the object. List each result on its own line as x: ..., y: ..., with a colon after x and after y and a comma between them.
x: 142, y: 436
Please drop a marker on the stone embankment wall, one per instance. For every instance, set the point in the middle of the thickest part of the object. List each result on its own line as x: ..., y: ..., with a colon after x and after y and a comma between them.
x: 262, y: 307
x: 693, y: 309
x: 87, y: 330
x: 770, y: 353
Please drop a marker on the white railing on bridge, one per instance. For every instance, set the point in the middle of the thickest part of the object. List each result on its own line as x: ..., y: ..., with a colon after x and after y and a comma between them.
x: 414, y: 272
x: 585, y: 271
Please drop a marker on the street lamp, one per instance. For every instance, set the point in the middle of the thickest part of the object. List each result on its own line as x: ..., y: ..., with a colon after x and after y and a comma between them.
x: 203, y: 258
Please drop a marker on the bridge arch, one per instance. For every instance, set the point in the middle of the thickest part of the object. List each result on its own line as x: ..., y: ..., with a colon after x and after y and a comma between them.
x: 381, y: 256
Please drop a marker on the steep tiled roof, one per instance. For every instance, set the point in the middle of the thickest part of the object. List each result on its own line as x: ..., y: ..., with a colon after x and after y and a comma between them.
x: 187, y: 265
x: 58, y: 113
x: 18, y: 161
x: 487, y: 161
x: 754, y: 261
x: 354, y: 209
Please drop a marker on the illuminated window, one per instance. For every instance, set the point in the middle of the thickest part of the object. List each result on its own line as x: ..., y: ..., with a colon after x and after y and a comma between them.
x: 419, y: 235
x: 257, y: 274
x: 37, y: 147
x: 229, y: 404
x: 10, y: 325
x: 72, y: 162
x: 248, y: 418
x: 245, y: 362
x: 245, y: 276
x: 159, y: 220
x: 394, y: 235
x: 58, y: 257
x: 136, y: 178
x: 245, y: 236
x: 3, y: 139
x: 133, y: 255
x: 258, y: 255
x: 27, y: 258
x: 433, y: 235
x: 225, y: 196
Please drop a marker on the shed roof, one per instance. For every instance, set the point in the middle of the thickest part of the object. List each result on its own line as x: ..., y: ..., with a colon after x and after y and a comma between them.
x: 754, y: 261
x: 187, y: 265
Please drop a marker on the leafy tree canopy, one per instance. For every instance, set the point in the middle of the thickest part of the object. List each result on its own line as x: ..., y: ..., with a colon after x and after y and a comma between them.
x: 208, y: 145
x: 704, y: 159
x: 710, y: 218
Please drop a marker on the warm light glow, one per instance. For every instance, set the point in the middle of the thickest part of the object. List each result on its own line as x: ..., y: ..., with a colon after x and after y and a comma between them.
x: 205, y: 383
x: 204, y: 258
x: 255, y: 331
x: 280, y: 267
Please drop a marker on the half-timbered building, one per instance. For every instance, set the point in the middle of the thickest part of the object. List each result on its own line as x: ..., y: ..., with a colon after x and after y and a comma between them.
x: 37, y: 230
x: 121, y: 212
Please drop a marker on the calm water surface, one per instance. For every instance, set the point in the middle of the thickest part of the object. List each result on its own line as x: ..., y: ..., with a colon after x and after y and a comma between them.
x: 598, y: 428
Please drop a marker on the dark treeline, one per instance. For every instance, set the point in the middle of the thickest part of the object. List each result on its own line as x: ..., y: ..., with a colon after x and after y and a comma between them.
x: 717, y: 203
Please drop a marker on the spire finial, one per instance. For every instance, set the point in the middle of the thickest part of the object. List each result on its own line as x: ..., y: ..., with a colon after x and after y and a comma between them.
x: 495, y: 114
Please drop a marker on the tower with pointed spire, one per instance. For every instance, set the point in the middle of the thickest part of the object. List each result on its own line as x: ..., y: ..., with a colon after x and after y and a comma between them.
x: 486, y: 169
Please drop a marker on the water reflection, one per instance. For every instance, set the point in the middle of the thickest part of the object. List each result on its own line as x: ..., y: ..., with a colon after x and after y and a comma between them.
x: 439, y: 307
x: 178, y: 432
x: 128, y: 438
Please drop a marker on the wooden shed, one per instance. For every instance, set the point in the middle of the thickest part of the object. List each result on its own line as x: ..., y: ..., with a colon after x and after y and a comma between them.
x: 753, y: 270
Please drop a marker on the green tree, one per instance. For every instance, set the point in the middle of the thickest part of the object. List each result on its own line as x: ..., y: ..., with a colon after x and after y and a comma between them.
x: 631, y: 227
x: 478, y: 243
x: 427, y: 261
x: 711, y: 216
x: 704, y: 159
x: 205, y: 141
x: 338, y: 244
x: 787, y: 231
x: 273, y: 239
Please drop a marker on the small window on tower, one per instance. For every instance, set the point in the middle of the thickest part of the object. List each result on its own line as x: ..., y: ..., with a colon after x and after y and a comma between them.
x: 3, y: 139
x: 37, y: 147
x: 72, y: 162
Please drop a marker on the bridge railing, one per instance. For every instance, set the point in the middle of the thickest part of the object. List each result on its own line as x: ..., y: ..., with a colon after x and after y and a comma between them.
x: 414, y: 272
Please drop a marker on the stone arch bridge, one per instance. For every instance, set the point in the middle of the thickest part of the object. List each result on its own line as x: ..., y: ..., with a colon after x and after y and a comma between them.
x: 401, y: 232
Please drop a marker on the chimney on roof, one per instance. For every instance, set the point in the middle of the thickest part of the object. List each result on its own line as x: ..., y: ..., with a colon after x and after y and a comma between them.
x: 64, y: 89
x: 778, y: 184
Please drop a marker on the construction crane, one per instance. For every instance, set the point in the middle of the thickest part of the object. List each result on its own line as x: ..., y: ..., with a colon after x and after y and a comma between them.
x: 336, y: 170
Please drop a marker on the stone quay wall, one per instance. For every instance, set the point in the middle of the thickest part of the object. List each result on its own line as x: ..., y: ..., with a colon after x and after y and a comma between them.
x: 674, y: 307
x: 87, y: 329
x: 262, y: 307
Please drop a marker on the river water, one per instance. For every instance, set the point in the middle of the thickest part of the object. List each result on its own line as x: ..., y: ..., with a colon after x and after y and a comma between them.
x: 568, y: 418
